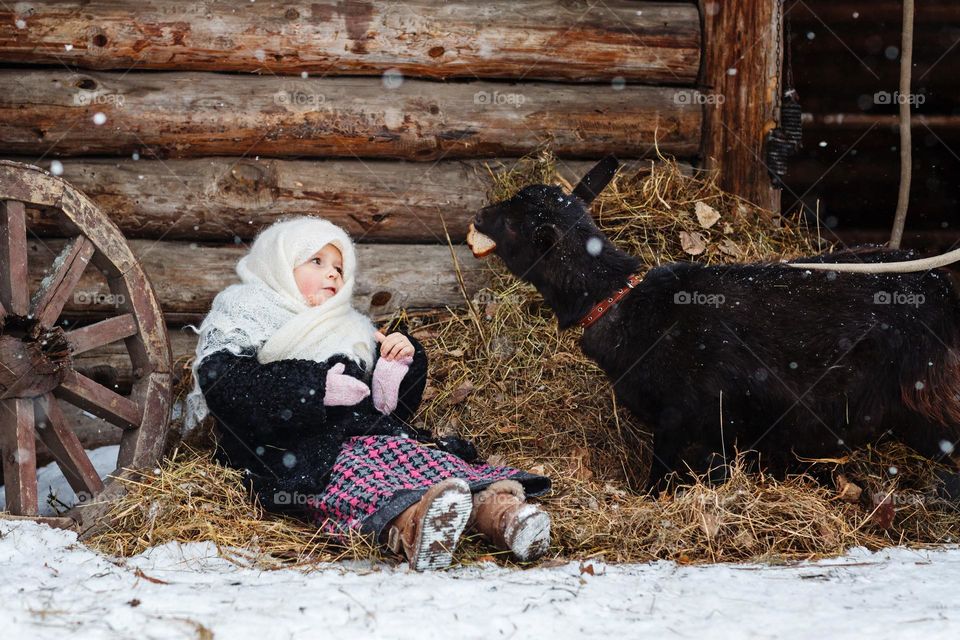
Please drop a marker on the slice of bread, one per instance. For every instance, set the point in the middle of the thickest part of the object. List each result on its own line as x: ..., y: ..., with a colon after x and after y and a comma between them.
x: 479, y: 244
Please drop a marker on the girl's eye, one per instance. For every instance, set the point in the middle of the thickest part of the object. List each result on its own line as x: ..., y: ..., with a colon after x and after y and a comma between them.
x: 319, y: 263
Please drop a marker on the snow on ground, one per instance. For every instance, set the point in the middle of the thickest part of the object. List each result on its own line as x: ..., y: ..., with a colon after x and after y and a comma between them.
x: 51, y: 586
x: 53, y: 489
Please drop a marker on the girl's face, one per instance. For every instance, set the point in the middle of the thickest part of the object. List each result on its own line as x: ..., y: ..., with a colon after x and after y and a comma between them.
x: 320, y: 277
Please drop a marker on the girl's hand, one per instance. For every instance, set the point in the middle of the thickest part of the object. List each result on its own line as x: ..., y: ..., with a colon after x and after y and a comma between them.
x: 394, y: 346
x: 387, y: 376
x: 343, y: 390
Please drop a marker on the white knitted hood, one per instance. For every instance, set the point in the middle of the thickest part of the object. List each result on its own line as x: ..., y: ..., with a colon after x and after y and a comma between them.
x: 267, y: 313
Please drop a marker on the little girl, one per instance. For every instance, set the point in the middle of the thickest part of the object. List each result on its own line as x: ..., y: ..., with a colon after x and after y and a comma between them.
x: 313, y: 403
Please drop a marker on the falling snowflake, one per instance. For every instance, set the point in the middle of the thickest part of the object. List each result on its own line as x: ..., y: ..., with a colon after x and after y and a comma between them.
x: 99, y: 118
x: 594, y: 246
x: 56, y: 168
x: 392, y: 78
x: 289, y: 460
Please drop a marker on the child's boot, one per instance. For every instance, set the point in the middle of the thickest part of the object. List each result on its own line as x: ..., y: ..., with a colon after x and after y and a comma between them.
x: 502, y: 516
x: 427, y: 532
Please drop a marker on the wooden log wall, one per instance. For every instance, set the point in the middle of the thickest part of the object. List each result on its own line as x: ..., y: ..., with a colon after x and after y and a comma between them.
x: 847, y: 65
x: 194, y: 125
x: 203, y: 122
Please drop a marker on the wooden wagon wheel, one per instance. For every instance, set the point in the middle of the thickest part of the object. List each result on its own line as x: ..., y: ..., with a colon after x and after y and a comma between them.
x: 36, y: 366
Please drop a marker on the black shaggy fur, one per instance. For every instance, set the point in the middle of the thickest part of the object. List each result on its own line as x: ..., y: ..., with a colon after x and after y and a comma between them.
x: 763, y: 357
x: 271, y: 421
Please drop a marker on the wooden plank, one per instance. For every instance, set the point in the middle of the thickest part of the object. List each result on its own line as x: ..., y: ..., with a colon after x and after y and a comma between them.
x: 13, y: 257
x: 82, y: 392
x: 196, y: 114
x: 102, y: 333
x: 19, y: 456
x: 66, y: 448
x: 740, y: 69
x: 110, y: 364
x: 837, y: 14
x: 55, y: 522
x: 224, y: 199
x: 816, y: 126
x: 56, y: 287
x: 91, y: 431
x: 145, y: 447
x: 639, y: 41
x: 187, y: 276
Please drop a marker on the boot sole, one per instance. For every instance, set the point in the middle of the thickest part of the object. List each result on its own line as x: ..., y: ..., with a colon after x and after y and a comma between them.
x: 530, y: 537
x: 444, y: 521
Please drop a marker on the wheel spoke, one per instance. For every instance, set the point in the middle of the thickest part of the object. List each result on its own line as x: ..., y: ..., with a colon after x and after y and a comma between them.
x: 19, y: 456
x: 14, y: 287
x: 65, y: 446
x: 102, y: 333
x: 57, y: 286
x: 82, y: 392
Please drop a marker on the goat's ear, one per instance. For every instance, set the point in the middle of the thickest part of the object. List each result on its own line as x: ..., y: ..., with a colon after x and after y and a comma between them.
x: 546, y: 236
x: 596, y: 179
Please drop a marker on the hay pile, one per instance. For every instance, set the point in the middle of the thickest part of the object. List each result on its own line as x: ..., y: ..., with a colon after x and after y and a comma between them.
x: 191, y: 498
x: 503, y: 375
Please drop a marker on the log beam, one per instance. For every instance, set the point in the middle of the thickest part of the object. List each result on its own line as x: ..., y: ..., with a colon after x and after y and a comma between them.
x: 225, y: 199
x: 739, y: 75
x: 187, y: 276
x: 59, y: 113
x: 649, y: 42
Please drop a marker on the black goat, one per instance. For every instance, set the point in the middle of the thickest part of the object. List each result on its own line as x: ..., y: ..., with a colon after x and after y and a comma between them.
x: 765, y: 357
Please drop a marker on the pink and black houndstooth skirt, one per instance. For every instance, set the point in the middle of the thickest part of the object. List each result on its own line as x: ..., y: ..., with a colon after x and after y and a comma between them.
x: 376, y: 478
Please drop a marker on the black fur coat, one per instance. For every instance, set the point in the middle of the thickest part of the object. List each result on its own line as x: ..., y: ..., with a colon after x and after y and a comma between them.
x: 271, y: 421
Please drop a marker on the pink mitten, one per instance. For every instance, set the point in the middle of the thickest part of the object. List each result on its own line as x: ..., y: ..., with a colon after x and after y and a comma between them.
x: 343, y: 390
x: 386, y: 382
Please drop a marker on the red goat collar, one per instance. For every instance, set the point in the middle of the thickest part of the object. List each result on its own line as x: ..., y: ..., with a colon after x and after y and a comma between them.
x: 604, y: 305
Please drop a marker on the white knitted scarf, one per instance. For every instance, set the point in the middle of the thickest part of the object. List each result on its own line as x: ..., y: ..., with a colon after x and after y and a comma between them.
x: 267, y: 313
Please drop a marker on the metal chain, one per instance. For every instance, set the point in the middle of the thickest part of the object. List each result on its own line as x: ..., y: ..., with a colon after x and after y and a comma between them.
x: 779, y: 37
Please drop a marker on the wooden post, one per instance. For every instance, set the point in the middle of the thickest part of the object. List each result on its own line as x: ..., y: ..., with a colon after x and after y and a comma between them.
x: 741, y: 65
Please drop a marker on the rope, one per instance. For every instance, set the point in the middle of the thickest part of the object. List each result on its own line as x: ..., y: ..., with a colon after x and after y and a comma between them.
x: 906, y: 143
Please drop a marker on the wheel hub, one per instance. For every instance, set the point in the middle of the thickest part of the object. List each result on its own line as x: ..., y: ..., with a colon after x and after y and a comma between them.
x: 33, y: 360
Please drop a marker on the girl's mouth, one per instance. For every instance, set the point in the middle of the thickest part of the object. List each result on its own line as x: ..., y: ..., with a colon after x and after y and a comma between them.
x: 331, y: 290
